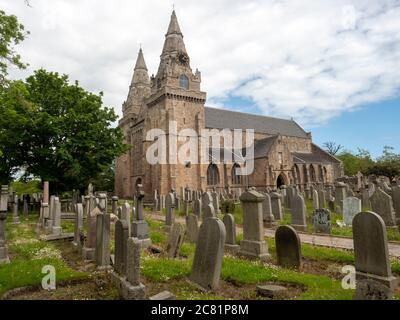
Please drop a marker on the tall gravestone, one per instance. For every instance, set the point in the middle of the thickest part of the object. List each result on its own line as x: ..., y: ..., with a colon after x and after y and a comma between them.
x: 351, y: 206
x: 268, y: 217
x: 56, y: 228
x: 382, y: 204
x: 321, y: 198
x: 170, y: 215
x: 374, y: 279
x: 253, y: 244
x: 207, y: 263
x: 15, y: 210
x: 288, y: 247
x: 396, y: 202
x: 340, y: 195
x: 121, y: 237
x: 197, y: 208
x: 276, y: 205
x: 299, y: 221
x: 3, y: 216
x: 192, y: 228
x: 206, y: 200
x: 315, y: 200
x: 230, y: 227
x: 103, y: 240
x: 78, y: 227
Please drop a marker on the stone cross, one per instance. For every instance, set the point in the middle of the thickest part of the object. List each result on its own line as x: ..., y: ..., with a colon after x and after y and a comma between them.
x: 140, y: 228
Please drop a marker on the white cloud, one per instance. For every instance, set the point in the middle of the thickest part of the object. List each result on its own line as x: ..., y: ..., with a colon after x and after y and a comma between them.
x: 311, y: 60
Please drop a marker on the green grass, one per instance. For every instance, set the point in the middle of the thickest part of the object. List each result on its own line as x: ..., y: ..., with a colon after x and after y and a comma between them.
x: 29, y: 256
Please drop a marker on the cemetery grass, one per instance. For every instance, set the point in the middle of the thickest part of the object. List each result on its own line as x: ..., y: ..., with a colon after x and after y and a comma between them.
x: 29, y: 255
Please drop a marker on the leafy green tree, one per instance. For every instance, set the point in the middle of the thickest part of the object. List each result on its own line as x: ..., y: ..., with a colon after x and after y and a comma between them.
x: 354, y: 163
x: 11, y: 34
x: 66, y: 136
x: 387, y: 165
x: 16, y: 114
x: 105, y: 181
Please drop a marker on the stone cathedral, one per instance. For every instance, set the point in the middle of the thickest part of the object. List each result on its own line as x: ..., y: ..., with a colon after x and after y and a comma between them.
x: 284, y: 153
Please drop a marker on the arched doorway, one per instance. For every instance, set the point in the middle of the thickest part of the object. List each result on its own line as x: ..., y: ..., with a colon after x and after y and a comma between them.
x: 212, y: 175
x: 280, y: 181
x: 236, y: 178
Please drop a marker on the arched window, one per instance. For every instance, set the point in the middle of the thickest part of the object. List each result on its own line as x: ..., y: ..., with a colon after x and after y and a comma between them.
x: 212, y: 175
x: 312, y: 173
x: 236, y: 178
x: 321, y: 173
x: 184, y: 82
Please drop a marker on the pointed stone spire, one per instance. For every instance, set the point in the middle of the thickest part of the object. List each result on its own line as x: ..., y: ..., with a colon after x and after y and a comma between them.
x: 139, y: 88
x: 174, y: 25
x: 173, y: 38
x: 140, y: 63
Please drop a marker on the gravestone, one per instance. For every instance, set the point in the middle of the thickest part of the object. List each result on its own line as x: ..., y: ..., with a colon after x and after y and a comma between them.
x: 192, y: 227
x: 56, y: 229
x: 351, y: 206
x: 88, y: 251
x: 396, y: 202
x: 322, y: 221
x: 140, y: 228
x: 131, y: 288
x: 207, y: 263
x: 288, y: 247
x: 78, y: 226
x: 276, y: 205
x: 382, y: 204
x: 253, y: 244
x: 321, y: 199
x: 208, y: 212
x: 114, y: 205
x: 175, y: 240
x: 3, y: 216
x: 102, y: 251
x: 299, y: 211
x: 15, y: 210
x: 206, y: 199
x: 340, y: 195
x: 374, y: 279
x: 197, y: 208
x: 170, y: 206
x: 268, y: 217
x: 215, y: 202
x: 315, y: 200
x: 230, y: 227
x: 121, y: 238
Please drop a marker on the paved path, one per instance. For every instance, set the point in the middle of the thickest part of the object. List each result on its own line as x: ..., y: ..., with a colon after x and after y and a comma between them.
x: 316, y: 240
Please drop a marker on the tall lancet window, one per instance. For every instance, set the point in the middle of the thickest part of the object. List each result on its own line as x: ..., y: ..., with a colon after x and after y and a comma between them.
x: 184, y: 82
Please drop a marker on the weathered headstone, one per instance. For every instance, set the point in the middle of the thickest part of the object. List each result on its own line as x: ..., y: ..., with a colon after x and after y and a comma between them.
x: 322, y: 221
x: 374, y: 279
x: 175, y: 240
x: 276, y: 205
x: 78, y: 226
x: 192, y: 227
x: 351, y: 206
x: 3, y: 216
x: 207, y: 263
x: 170, y: 206
x: 88, y: 251
x: 268, y: 217
x: 253, y: 244
x: 121, y: 238
x: 103, y: 240
x: 208, y: 211
x: 315, y: 200
x: 382, y: 204
x: 340, y: 195
x: 140, y: 228
x: 56, y: 229
x: 299, y: 221
x: 396, y: 202
x: 230, y: 227
x: 114, y: 205
x: 15, y: 210
x: 197, y: 208
x: 288, y: 247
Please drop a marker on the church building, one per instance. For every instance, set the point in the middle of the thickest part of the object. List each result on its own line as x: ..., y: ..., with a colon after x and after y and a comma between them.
x: 284, y: 153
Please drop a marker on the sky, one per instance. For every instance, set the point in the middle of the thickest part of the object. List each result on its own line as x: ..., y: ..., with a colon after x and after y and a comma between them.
x: 333, y: 65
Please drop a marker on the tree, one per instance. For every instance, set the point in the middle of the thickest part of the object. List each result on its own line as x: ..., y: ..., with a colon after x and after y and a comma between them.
x: 66, y: 134
x: 354, y: 163
x: 332, y: 147
x: 388, y: 164
x: 11, y: 34
x: 15, y: 125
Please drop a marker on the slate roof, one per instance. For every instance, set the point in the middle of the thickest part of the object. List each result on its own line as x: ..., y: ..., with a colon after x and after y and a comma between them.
x: 262, y: 147
x: 316, y: 156
x: 221, y: 119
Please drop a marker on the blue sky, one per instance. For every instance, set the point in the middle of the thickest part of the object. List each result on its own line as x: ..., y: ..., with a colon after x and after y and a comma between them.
x: 332, y: 65
x: 369, y: 126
